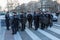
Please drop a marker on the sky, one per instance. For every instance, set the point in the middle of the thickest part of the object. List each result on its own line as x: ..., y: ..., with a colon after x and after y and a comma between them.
x: 3, y: 3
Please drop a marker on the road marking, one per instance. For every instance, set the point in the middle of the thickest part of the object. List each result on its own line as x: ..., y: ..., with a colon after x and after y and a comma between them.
x: 32, y: 35
x: 57, y: 24
x: 48, y: 35
x: 17, y: 36
x: 2, y: 33
x: 2, y: 17
x: 54, y: 30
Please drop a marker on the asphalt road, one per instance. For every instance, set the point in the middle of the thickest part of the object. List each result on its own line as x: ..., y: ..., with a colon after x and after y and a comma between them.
x: 30, y: 34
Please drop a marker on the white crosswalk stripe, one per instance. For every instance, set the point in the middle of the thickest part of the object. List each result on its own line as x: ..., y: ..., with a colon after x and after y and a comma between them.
x: 54, y: 30
x: 57, y: 25
x: 48, y: 35
x: 32, y: 35
x: 2, y: 32
x: 17, y: 36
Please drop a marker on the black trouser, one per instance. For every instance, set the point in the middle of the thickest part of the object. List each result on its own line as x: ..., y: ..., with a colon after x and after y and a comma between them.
x: 23, y: 27
x: 14, y: 29
x: 7, y: 24
x: 30, y: 24
x: 42, y: 25
x: 36, y: 23
x: 50, y: 23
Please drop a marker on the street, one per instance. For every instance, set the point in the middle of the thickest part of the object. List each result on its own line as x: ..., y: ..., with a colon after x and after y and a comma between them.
x: 29, y: 19
x: 30, y: 34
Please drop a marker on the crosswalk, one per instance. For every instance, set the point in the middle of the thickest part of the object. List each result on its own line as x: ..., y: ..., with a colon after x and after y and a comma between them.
x: 17, y: 37
x: 48, y: 35
x: 55, y: 30
x: 2, y: 32
x: 32, y: 34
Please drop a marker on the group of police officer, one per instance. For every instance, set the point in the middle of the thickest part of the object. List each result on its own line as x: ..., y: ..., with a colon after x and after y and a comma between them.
x: 40, y: 19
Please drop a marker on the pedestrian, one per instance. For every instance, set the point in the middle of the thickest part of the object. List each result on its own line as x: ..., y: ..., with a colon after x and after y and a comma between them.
x: 15, y: 23
x: 7, y: 18
x: 36, y: 20
x: 22, y: 21
x: 43, y: 20
x: 50, y: 17
x: 29, y: 18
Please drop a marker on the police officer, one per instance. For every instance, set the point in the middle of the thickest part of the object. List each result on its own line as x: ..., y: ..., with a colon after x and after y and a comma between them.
x: 36, y: 20
x: 50, y: 17
x: 7, y: 18
x: 25, y: 17
x: 42, y: 20
x: 15, y: 23
x: 29, y: 18
x: 22, y: 21
x: 47, y: 21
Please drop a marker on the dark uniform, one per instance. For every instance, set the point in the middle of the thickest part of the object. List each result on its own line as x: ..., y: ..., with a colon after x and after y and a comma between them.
x: 44, y: 21
x: 22, y: 21
x: 25, y: 17
x: 36, y: 21
x: 50, y: 20
x: 15, y: 24
x: 47, y: 20
x: 7, y: 18
x: 29, y: 18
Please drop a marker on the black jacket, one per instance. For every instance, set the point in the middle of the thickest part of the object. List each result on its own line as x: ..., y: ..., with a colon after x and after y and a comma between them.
x: 29, y: 17
x: 15, y: 20
x: 23, y: 18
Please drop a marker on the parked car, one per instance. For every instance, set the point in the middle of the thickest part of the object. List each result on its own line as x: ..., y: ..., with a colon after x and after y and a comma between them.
x: 55, y: 18
x: 2, y: 13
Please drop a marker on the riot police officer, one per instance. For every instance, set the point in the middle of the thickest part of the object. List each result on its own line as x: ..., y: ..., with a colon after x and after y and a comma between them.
x: 22, y: 21
x: 50, y: 17
x: 42, y: 18
x: 15, y: 23
x: 29, y: 18
x: 36, y: 20
x: 25, y: 17
x: 7, y: 18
